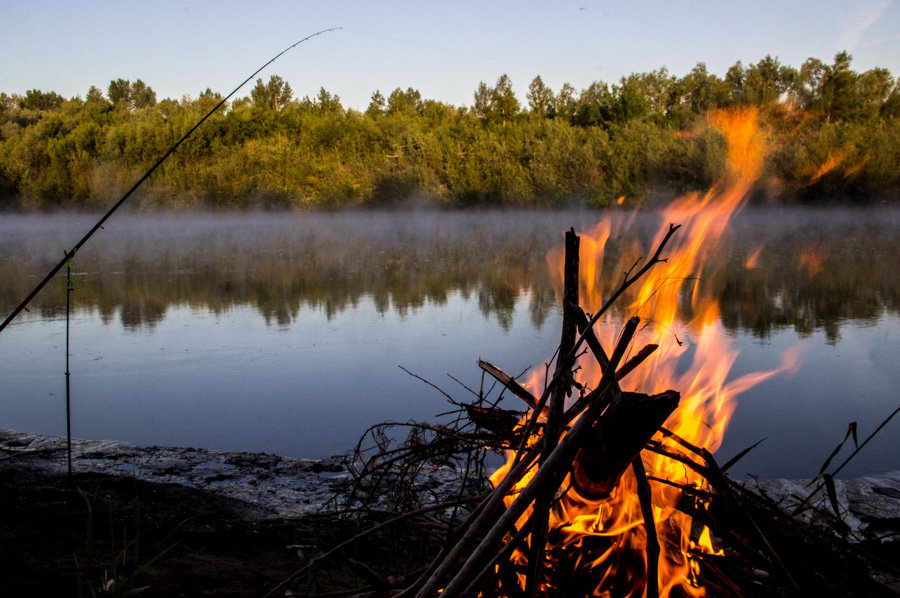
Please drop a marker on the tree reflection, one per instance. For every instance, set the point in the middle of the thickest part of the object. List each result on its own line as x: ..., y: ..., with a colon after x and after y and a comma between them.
x: 774, y: 276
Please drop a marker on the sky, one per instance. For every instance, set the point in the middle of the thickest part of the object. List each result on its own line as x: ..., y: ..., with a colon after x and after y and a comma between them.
x: 442, y: 49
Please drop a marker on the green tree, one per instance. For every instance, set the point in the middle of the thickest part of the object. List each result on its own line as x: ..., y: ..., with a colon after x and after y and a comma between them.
x: 328, y: 102
x: 734, y: 82
x: 376, y: 105
x: 404, y: 101
x: 766, y: 81
x: 808, y: 85
x: 875, y: 87
x: 209, y: 98
x: 839, y: 96
x: 701, y: 90
x: 594, y: 107
x: 540, y: 99
x: 119, y: 93
x: 142, y: 95
x: 36, y: 99
x: 275, y: 94
x: 497, y: 104
x: 504, y: 104
x: 630, y: 100
x: 482, y: 104
x: 565, y: 103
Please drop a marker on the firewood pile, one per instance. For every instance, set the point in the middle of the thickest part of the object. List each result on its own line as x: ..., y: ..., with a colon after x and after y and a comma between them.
x: 505, y: 540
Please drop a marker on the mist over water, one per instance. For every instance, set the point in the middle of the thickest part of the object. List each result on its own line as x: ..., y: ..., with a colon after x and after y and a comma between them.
x: 283, y: 332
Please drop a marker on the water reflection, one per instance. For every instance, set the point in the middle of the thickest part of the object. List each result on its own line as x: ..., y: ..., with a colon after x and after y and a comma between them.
x: 806, y: 270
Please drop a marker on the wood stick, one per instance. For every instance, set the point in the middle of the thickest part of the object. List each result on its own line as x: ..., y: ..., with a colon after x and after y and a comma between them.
x: 509, y: 382
x: 553, y: 426
x: 627, y: 281
x: 593, y: 343
x: 635, y: 361
x: 644, y: 495
x: 719, y: 480
x: 552, y: 473
x: 488, y: 510
x: 500, y: 557
x: 596, y: 348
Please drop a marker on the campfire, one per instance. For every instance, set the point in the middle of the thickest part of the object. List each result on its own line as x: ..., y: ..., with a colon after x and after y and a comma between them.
x: 597, y: 524
x: 610, y: 487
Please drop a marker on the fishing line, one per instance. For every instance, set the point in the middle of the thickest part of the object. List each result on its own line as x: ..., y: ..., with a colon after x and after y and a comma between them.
x: 146, y: 175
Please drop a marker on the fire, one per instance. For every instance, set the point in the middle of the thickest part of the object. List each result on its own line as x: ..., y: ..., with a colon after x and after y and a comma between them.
x: 753, y: 259
x: 833, y: 161
x: 811, y: 260
x: 694, y: 357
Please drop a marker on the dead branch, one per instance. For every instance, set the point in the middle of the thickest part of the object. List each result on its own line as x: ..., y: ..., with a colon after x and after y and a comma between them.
x: 509, y: 382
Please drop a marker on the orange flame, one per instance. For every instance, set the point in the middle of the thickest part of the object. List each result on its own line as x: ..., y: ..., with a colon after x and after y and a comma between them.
x: 811, y: 259
x: 694, y: 357
x: 753, y: 259
x: 855, y: 169
x: 834, y: 160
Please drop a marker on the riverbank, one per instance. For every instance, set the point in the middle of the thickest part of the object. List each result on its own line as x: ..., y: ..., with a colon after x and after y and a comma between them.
x: 229, y: 524
x: 223, y: 524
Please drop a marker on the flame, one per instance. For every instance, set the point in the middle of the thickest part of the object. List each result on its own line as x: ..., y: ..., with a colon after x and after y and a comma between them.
x: 811, y: 259
x: 753, y: 259
x: 855, y: 169
x: 694, y: 357
x: 833, y: 161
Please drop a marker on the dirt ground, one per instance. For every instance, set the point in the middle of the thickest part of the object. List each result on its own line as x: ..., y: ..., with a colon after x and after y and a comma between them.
x: 209, y: 545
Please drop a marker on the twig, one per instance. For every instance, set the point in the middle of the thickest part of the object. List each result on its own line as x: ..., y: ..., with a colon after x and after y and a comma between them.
x: 718, y: 478
x: 550, y: 474
x: 644, y: 496
x: 507, y: 381
x: 431, y: 384
x: 847, y: 460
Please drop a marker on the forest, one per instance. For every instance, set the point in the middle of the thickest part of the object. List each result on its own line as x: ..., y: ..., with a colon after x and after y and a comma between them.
x: 834, y: 136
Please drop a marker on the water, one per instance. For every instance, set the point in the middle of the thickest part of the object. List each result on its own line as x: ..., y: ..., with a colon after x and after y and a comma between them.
x: 284, y: 333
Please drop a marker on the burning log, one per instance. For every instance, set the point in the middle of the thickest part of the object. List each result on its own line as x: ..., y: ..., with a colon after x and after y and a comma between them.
x: 617, y: 439
x: 552, y: 429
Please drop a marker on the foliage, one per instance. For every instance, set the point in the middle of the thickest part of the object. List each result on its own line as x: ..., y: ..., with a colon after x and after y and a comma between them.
x: 836, y: 132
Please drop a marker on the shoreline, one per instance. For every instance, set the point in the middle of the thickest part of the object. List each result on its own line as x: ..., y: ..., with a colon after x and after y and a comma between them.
x: 280, y: 487
x: 287, y: 487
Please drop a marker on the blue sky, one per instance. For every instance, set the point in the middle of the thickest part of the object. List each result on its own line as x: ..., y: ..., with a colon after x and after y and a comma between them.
x: 443, y: 49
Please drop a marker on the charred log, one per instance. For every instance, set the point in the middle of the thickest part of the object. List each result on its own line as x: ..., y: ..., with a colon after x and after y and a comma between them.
x: 617, y: 438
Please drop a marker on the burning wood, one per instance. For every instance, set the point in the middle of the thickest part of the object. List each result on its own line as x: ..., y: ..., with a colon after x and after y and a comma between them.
x: 617, y: 439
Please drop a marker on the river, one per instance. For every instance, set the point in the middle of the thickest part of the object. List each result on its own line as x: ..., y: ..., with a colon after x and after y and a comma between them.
x: 285, y: 333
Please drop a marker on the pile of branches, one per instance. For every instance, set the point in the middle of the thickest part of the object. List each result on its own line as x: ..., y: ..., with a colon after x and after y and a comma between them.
x: 432, y: 480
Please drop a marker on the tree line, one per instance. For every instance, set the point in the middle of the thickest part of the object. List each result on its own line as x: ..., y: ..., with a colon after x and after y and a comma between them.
x: 835, y: 134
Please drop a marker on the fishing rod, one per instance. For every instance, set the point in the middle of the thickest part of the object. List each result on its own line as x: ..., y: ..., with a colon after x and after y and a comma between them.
x: 69, y: 254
